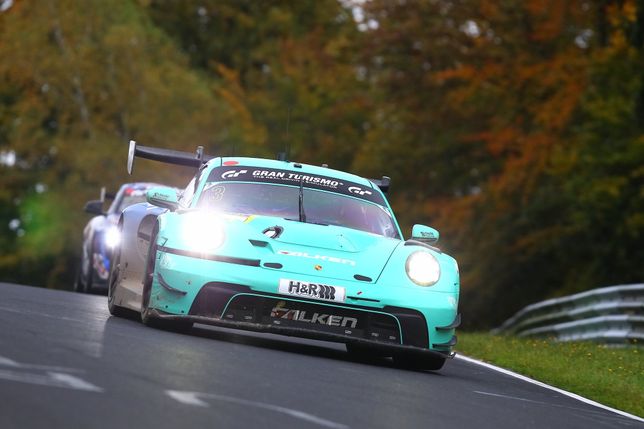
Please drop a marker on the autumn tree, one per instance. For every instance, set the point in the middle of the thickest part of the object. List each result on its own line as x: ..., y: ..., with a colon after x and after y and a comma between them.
x: 516, y: 128
x: 503, y: 111
x: 77, y: 81
x: 287, y: 68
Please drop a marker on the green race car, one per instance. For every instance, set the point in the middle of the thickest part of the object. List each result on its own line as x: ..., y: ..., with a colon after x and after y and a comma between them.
x: 287, y: 248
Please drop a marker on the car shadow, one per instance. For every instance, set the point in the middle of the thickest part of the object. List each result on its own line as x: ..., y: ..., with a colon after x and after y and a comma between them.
x: 295, y: 345
x: 285, y: 344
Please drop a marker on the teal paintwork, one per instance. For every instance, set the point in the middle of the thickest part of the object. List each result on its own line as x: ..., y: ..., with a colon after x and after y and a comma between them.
x: 345, y: 252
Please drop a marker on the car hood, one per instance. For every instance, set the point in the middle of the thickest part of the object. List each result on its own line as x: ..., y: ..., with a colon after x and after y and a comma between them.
x: 322, y: 250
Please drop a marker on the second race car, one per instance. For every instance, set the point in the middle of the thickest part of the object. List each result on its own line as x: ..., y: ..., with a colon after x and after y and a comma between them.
x: 101, y: 236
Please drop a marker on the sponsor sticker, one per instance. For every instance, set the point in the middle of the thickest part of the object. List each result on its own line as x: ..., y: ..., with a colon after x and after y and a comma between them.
x: 281, y: 312
x: 231, y: 174
x: 317, y: 257
x: 359, y: 191
x: 312, y: 290
x: 294, y: 178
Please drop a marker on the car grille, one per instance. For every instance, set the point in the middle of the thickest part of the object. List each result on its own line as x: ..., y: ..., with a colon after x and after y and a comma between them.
x: 238, y: 303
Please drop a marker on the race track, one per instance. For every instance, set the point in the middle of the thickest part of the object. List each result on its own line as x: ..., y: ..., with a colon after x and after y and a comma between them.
x: 65, y: 363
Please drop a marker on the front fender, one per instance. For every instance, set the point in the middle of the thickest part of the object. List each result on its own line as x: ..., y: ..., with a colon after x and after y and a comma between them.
x: 395, y: 275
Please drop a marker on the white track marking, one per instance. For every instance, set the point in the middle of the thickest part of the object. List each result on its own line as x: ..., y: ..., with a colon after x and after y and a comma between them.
x: 4, y: 361
x: 498, y: 395
x: 8, y: 362
x: 547, y: 386
x: 51, y: 379
x: 187, y: 398
x: 549, y: 404
x: 192, y: 398
x: 74, y: 382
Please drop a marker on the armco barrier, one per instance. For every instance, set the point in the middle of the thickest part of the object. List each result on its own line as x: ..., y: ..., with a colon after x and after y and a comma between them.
x: 612, y: 315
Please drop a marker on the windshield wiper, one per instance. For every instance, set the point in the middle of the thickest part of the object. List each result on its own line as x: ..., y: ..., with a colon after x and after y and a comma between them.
x: 301, y: 201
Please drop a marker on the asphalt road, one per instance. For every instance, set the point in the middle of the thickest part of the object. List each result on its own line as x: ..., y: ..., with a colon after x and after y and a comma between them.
x: 65, y: 363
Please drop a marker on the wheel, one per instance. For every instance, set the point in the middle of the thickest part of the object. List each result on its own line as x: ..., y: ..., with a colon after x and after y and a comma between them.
x: 78, y: 282
x: 80, y: 286
x: 146, y: 314
x: 87, y: 285
x: 90, y: 278
x: 112, y: 281
x: 147, y: 317
x: 419, y: 362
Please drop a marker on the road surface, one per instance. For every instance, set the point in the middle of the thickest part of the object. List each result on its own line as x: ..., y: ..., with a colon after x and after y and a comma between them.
x: 66, y: 363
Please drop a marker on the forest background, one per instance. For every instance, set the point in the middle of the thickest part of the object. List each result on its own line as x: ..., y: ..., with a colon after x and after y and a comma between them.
x: 516, y: 128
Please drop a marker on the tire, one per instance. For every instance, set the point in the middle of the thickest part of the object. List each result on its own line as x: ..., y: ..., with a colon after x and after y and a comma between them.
x: 419, y: 362
x: 78, y: 284
x: 112, y: 281
x: 147, y: 316
x: 81, y: 286
x: 87, y: 286
x: 146, y: 313
x: 90, y: 278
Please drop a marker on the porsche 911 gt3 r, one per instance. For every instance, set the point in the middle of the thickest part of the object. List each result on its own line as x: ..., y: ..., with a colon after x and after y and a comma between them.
x: 289, y: 248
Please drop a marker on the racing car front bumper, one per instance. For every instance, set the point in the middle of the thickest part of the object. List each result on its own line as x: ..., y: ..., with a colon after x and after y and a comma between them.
x: 183, y: 289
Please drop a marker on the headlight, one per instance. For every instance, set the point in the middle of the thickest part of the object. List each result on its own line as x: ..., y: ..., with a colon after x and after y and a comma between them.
x: 423, y: 268
x: 112, y: 237
x: 202, y: 232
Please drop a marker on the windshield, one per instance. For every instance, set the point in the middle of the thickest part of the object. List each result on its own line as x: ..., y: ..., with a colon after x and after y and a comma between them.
x: 326, y: 208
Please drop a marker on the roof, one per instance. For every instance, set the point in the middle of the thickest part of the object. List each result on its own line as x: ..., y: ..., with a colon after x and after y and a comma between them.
x: 295, y: 167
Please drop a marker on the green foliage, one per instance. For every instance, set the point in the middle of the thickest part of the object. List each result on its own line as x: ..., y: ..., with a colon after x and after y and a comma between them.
x: 79, y: 79
x: 609, y: 375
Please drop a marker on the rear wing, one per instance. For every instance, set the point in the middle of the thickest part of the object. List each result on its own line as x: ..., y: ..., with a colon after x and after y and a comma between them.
x: 169, y: 156
x: 196, y: 159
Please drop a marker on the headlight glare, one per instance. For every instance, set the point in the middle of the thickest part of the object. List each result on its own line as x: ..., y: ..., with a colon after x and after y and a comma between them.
x: 202, y: 232
x: 423, y: 268
x: 112, y: 237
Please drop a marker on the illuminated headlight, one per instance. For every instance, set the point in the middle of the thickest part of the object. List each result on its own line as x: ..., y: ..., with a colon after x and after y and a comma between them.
x: 423, y: 268
x: 112, y: 237
x: 203, y: 232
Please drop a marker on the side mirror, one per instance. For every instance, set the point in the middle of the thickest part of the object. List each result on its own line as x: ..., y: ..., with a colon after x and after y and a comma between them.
x: 163, y: 197
x: 94, y: 207
x: 425, y: 234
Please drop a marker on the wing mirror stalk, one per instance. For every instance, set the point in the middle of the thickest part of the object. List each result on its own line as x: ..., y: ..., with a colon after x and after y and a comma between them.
x: 95, y: 207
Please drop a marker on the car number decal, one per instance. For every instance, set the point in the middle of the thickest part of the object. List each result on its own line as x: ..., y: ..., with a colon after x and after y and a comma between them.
x: 312, y: 290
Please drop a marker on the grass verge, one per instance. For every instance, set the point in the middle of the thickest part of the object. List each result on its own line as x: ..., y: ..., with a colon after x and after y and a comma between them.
x: 608, y: 375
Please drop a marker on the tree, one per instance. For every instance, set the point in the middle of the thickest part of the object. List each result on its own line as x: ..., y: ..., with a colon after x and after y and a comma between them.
x: 498, y: 107
x: 287, y: 70
x: 79, y: 79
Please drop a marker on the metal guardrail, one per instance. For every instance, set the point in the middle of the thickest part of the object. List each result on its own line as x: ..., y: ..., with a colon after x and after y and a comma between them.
x: 613, y: 315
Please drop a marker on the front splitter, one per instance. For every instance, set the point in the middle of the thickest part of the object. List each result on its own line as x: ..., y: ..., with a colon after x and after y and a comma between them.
x: 384, y: 348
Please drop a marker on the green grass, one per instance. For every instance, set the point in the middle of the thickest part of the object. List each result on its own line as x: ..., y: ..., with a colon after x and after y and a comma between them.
x: 609, y: 375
